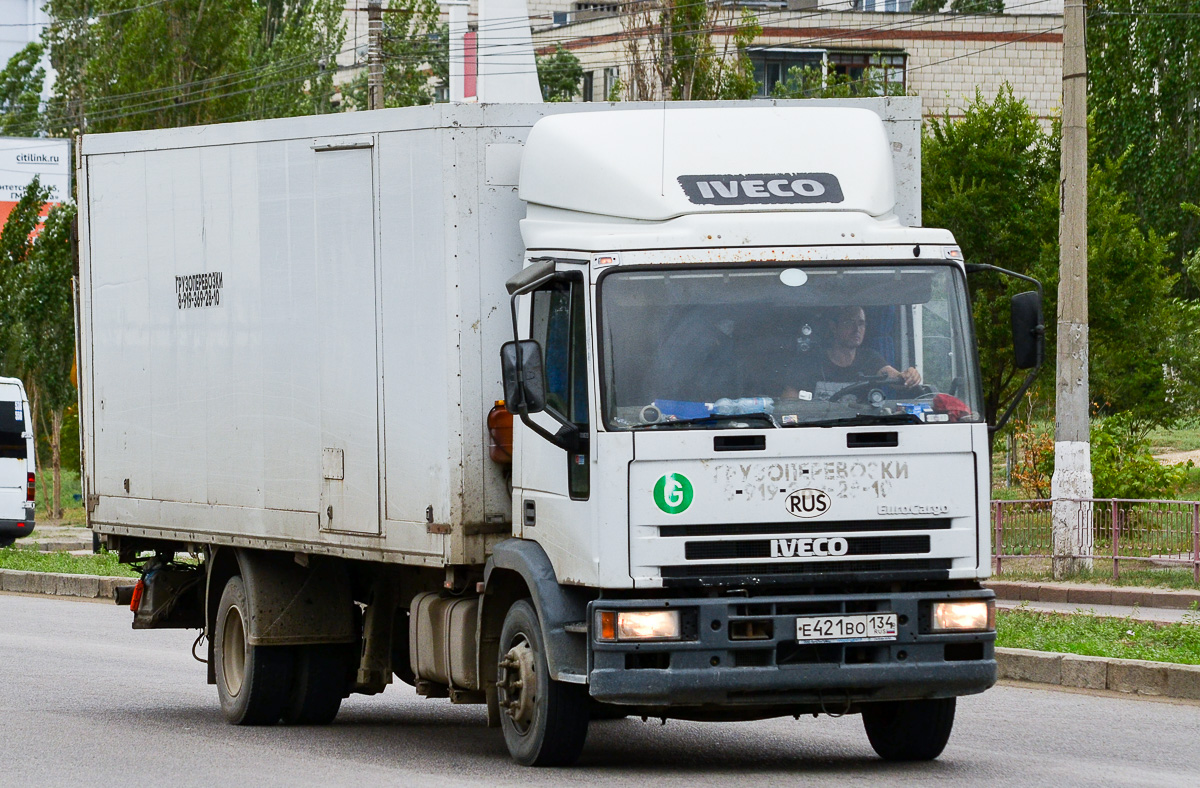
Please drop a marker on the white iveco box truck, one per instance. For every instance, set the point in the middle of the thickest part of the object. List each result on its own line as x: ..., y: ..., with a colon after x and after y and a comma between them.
x: 749, y: 471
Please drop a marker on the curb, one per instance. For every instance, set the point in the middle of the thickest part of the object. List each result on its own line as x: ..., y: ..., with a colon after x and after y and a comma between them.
x: 1131, y: 676
x: 1093, y: 595
x: 59, y: 584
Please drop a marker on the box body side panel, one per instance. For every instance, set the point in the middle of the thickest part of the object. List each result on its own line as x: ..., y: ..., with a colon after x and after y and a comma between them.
x: 202, y: 304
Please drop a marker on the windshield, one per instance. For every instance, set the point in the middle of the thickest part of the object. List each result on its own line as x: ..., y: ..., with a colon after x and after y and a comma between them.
x: 786, y: 346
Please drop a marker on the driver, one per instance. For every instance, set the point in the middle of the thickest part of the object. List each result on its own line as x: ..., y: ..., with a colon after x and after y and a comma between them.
x: 845, y: 361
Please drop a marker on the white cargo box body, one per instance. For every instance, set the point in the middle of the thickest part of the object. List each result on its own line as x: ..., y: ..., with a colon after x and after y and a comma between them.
x: 290, y: 328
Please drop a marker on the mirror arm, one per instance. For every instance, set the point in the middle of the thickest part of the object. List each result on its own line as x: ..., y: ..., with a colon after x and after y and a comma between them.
x: 1041, y: 345
x: 568, y: 437
x: 973, y: 267
x: 1012, y: 405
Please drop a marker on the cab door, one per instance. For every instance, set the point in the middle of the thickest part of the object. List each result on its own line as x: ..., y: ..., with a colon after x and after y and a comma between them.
x: 552, y: 486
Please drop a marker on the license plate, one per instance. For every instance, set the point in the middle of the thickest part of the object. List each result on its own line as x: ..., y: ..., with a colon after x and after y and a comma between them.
x: 846, y: 629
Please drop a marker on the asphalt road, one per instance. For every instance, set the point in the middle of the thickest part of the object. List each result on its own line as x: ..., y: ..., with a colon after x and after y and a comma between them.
x: 86, y: 700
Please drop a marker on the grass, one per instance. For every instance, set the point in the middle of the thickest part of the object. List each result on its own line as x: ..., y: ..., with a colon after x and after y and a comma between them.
x: 104, y: 564
x: 1177, y: 439
x: 1037, y: 571
x: 1123, y: 638
x: 72, y: 509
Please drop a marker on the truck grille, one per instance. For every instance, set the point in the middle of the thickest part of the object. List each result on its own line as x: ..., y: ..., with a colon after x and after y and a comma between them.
x: 829, y: 571
x: 761, y: 548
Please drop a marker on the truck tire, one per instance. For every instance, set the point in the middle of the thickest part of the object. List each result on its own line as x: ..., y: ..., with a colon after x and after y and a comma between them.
x: 544, y: 721
x: 909, y: 730
x: 252, y: 681
x: 319, y: 682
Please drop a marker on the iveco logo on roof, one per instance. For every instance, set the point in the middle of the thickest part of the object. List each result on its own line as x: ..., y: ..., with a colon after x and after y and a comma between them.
x: 763, y: 188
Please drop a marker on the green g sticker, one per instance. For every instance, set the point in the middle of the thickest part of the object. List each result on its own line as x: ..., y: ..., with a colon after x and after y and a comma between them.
x: 673, y: 493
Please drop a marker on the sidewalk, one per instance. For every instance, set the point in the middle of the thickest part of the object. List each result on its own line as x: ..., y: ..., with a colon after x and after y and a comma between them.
x: 1156, y: 614
x: 58, y: 539
x: 1088, y: 595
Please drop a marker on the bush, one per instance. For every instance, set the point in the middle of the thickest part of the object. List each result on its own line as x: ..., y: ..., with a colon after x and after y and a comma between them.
x: 1122, y: 465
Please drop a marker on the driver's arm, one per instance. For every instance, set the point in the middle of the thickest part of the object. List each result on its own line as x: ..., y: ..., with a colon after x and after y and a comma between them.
x: 909, y: 377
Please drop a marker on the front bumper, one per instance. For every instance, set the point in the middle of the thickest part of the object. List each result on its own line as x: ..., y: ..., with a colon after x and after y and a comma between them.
x: 715, y: 668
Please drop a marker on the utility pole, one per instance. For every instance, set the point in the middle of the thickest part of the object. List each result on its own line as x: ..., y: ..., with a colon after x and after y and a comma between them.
x: 374, y: 54
x: 1072, y: 449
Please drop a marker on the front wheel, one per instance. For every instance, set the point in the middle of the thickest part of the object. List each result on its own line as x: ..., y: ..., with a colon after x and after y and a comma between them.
x: 909, y: 730
x: 544, y: 721
x: 252, y: 681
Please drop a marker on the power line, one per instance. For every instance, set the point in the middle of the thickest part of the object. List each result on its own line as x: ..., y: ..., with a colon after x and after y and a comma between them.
x: 224, y: 82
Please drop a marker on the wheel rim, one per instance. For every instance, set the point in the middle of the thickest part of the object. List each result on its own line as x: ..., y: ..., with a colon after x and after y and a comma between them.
x: 516, y: 684
x: 233, y: 652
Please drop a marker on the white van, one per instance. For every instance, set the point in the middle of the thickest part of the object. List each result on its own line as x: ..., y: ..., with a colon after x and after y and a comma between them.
x: 17, y: 472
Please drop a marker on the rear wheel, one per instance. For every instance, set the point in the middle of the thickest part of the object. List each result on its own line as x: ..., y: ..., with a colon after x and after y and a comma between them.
x: 909, y: 730
x: 544, y: 721
x: 252, y: 681
x: 319, y: 682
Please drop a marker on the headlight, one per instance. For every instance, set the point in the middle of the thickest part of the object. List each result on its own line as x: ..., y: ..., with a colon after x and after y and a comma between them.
x: 979, y: 614
x: 638, y: 625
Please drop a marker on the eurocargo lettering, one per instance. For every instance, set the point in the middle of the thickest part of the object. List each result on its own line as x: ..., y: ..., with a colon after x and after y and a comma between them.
x: 571, y: 411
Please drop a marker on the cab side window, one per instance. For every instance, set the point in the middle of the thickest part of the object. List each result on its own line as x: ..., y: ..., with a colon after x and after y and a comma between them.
x: 559, y: 327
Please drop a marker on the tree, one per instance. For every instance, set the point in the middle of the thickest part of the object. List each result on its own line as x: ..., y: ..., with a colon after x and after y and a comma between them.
x: 16, y: 248
x: 977, y: 6
x: 678, y: 59
x: 958, y: 6
x: 48, y: 313
x: 21, y: 84
x: 559, y: 75
x: 124, y: 65
x: 988, y: 178
x: 416, y: 56
x: 1132, y: 319
x: 292, y: 33
x: 992, y: 179
x: 1144, y: 92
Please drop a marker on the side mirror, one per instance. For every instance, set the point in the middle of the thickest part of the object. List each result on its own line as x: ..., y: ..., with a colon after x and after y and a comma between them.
x: 1028, y: 330
x: 524, y: 383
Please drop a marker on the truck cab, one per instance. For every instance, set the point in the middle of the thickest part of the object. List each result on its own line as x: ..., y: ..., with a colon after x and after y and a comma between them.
x: 751, y: 420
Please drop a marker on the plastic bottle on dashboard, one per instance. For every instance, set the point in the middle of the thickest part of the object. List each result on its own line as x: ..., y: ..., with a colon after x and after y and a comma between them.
x: 743, y: 405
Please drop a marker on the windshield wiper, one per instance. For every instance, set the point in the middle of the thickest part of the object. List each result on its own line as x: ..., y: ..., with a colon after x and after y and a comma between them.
x: 710, y: 418
x: 864, y: 418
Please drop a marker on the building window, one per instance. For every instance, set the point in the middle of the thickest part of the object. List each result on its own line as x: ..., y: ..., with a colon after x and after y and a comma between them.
x: 771, y: 66
x: 588, y: 81
x: 876, y: 73
x: 885, y: 6
x: 612, y: 81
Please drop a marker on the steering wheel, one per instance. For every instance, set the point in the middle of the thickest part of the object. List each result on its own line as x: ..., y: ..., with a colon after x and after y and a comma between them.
x: 866, y: 383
